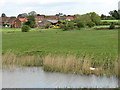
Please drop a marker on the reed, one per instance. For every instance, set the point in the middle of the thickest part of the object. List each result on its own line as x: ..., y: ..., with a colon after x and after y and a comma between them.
x: 65, y: 64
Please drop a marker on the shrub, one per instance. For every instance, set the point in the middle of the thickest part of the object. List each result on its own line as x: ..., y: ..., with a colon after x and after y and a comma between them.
x: 106, y: 23
x: 47, y: 25
x: 70, y: 25
x: 112, y: 25
x: 90, y: 24
x: 25, y: 28
x: 5, y: 25
x: 80, y: 24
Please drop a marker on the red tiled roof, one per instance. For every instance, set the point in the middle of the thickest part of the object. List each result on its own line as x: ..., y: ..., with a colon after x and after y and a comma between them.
x: 22, y: 19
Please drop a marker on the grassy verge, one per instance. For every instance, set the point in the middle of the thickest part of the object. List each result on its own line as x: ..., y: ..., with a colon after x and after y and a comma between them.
x: 63, y: 51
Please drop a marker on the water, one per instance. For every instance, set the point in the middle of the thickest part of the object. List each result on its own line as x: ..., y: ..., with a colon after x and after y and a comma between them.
x: 32, y: 77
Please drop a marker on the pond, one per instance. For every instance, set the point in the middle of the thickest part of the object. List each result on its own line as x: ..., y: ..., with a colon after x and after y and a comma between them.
x: 36, y: 77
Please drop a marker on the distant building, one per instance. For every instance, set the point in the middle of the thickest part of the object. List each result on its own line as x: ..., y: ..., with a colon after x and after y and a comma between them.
x: 19, y: 22
x: 53, y: 19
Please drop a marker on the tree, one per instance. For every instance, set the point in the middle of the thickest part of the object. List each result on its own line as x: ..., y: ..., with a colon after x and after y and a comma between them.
x: 112, y: 25
x: 31, y: 21
x: 80, y: 24
x: 94, y: 17
x: 3, y: 15
x: 103, y: 17
x: 115, y: 14
x: 90, y: 24
x: 32, y: 13
x: 23, y: 15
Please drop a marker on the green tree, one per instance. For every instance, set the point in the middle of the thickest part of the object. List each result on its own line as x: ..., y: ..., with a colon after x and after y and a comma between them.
x: 115, y: 14
x: 3, y: 15
x: 31, y: 21
x: 33, y: 13
x: 94, y: 18
x: 80, y: 24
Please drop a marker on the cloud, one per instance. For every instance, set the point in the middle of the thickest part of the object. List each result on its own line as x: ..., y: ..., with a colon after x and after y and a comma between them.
x: 58, y: 1
x: 14, y: 7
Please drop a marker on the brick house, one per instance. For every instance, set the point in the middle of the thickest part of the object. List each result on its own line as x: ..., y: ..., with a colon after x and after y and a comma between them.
x: 70, y: 17
x: 39, y: 18
x: 11, y: 21
x: 51, y: 17
x: 18, y: 22
x: 5, y: 20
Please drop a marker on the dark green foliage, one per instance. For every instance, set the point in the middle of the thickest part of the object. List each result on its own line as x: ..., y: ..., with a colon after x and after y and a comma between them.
x: 67, y: 26
x: 47, y: 25
x: 59, y: 21
x: 104, y: 17
x: 5, y: 25
x: 31, y: 21
x: 115, y: 14
x: 105, y: 23
x: 90, y: 24
x: 80, y: 24
x: 25, y: 28
x: 112, y: 26
x: 32, y: 13
x: 3, y: 15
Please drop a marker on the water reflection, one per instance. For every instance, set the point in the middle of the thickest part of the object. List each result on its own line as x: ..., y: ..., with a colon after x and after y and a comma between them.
x: 32, y: 77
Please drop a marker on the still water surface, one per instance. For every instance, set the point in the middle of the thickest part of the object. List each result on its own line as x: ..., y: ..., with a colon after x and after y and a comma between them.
x: 33, y: 77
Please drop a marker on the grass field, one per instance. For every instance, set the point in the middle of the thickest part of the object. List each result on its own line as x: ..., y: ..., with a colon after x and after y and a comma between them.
x: 109, y: 20
x: 104, y: 26
x: 79, y: 48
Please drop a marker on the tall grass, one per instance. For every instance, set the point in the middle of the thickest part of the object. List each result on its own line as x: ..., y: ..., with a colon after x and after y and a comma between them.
x: 69, y: 64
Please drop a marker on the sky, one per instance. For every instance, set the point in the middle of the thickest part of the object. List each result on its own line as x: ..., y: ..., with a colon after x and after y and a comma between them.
x: 52, y: 7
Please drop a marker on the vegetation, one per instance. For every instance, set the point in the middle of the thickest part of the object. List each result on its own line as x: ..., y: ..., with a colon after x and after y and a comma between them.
x: 115, y: 14
x: 31, y: 21
x: 3, y: 15
x: 25, y: 28
x: 55, y: 50
x: 112, y: 26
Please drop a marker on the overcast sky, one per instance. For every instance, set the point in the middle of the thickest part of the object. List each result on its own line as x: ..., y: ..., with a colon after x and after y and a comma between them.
x: 51, y: 7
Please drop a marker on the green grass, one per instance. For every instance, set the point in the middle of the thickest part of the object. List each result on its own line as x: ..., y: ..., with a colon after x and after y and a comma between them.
x: 109, y: 20
x: 104, y: 26
x: 100, y: 46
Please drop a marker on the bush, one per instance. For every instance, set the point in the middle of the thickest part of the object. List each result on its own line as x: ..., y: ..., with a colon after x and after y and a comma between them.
x: 80, y: 24
x: 5, y: 25
x: 112, y: 25
x: 47, y: 26
x: 106, y: 23
x: 90, y: 24
x: 25, y: 28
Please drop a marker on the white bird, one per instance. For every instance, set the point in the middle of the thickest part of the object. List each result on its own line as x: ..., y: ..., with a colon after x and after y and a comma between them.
x: 92, y: 68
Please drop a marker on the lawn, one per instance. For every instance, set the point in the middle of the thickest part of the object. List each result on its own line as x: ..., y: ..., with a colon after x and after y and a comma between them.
x: 101, y: 46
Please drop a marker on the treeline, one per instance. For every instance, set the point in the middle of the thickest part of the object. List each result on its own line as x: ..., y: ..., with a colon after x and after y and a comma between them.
x: 114, y: 15
x: 87, y: 20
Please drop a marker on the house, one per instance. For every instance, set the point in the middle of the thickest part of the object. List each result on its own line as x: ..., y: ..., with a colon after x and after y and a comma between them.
x: 39, y: 18
x: 5, y: 20
x: 11, y: 21
x: 70, y: 17
x: 19, y: 22
x: 51, y: 17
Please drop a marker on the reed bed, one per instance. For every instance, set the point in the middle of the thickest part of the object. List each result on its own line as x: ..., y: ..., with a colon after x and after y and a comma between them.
x: 64, y: 64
